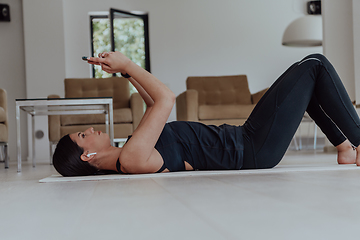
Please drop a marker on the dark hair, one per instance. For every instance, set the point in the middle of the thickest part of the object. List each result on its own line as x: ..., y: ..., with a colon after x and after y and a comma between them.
x: 67, y: 161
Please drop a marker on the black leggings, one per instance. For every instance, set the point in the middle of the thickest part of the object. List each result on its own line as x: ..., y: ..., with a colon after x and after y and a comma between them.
x: 310, y: 85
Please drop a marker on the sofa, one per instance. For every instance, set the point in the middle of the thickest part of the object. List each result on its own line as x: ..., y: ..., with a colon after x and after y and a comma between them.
x: 4, y: 132
x: 128, y: 108
x: 217, y: 100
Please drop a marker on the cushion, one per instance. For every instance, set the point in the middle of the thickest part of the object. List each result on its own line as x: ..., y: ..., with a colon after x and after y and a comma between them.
x: 228, y: 90
x: 122, y: 115
x: 115, y: 87
x: 207, y: 112
x: 3, y: 133
x: 120, y: 130
x: 2, y: 115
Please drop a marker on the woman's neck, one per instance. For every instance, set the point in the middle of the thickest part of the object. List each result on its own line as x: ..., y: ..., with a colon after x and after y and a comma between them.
x: 106, y: 160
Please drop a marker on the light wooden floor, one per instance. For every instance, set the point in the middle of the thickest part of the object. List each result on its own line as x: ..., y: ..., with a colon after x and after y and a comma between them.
x: 296, y: 205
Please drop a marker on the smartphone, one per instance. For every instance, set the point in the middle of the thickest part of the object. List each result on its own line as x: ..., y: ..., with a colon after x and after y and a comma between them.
x: 84, y: 58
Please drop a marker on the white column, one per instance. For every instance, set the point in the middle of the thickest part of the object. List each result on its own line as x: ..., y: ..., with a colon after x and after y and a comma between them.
x: 44, y: 61
x: 338, y: 41
x: 341, y: 44
x: 356, y: 34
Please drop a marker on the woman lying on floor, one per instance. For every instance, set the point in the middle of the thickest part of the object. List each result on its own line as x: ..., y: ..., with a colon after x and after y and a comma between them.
x: 310, y: 85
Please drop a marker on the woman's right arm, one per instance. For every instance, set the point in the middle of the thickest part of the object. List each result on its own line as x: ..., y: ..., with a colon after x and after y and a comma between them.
x: 144, y: 95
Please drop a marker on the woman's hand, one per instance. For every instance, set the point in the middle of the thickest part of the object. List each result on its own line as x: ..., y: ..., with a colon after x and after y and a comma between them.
x: 111, y: 62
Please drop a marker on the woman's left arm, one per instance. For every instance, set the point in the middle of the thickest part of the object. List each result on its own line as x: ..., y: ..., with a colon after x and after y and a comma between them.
x: 136, y: 154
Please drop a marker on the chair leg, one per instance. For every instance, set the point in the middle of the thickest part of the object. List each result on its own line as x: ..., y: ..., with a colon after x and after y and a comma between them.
x: 1, y: 153
x: 6, y: 156
x: 295, y: 143
x: 315, y: 135
x: 300, y: 140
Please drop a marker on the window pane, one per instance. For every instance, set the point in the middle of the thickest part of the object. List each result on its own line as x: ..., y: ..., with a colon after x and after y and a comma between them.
x: 101, y: 42
x: 129, y: 39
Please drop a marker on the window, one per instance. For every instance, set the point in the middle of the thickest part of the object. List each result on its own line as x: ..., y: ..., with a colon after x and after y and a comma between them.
x: 100, y: 41
x: 127, y: 32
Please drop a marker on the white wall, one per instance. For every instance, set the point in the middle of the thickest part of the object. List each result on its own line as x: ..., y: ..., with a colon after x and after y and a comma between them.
x: 187, y: 38
x: 198, y: 37
x: 45, y: 60
x: 356, y: 34
x: 12, y: 68
x: 339, y: 41
x: 44, y: 46
x: 342, y: 43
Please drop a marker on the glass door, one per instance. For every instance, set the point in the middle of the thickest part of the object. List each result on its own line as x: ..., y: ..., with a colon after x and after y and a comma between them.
x: 130, y: 35
x: 118, y: 30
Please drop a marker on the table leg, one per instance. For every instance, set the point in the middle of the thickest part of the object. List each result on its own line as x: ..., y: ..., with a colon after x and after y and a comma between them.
x: 107, y: 124
x: 18, y: 140
x: 110, y: 127
x: 111, y: 123
x: 33, y: 139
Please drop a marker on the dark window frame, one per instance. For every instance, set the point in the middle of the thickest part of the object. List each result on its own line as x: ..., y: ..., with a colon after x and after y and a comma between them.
x: 144, y: 17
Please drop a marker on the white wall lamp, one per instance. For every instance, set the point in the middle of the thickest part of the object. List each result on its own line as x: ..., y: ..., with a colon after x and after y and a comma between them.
x: 305, y: 31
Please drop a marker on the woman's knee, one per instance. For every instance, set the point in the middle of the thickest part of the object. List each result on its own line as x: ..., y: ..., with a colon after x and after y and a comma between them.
x: 317, y: 56
x: 315, y: 59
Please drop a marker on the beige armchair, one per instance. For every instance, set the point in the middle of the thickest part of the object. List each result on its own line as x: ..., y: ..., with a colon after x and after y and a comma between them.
x: 217, y: 100
x: 4, y: 135
x: 128, y: 110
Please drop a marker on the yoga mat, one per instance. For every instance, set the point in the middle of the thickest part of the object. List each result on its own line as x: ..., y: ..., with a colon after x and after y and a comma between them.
x: 277, y: 169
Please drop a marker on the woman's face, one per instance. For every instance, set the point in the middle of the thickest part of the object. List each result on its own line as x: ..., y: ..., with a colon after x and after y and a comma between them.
x: 90, y: 140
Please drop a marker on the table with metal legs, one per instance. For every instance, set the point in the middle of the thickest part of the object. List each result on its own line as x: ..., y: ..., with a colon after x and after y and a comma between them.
x: 62, y: 106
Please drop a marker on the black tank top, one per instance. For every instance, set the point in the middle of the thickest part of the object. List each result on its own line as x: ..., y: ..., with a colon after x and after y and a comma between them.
x: 204, y: 147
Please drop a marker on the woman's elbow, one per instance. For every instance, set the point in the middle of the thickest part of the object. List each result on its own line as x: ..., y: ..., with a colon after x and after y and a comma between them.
x: 170, y: 100
x: 172, y: 97
x: 167, y: 98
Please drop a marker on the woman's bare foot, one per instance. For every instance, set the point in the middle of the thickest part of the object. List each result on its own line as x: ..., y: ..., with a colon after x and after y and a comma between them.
x: 358, y: 156
x: 346, y: 153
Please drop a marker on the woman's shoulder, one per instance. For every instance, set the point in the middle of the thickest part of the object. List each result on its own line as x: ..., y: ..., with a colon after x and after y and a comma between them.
x: 197, y: 125
x: 185, y: 124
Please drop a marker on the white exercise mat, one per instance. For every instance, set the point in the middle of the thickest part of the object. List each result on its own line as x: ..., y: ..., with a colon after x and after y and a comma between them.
x: 277, y: 169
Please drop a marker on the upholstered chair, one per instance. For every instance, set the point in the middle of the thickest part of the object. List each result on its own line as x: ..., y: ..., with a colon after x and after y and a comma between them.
x: 4, y: 135
x: 217, y: 100
x: 128, y: 109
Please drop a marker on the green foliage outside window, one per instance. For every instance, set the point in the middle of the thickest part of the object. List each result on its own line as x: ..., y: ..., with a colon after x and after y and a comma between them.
x: 129, y: 39
x: 101, y: 42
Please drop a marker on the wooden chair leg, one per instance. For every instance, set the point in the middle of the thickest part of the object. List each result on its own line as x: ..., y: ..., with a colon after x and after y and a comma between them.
x: 6, y: 156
